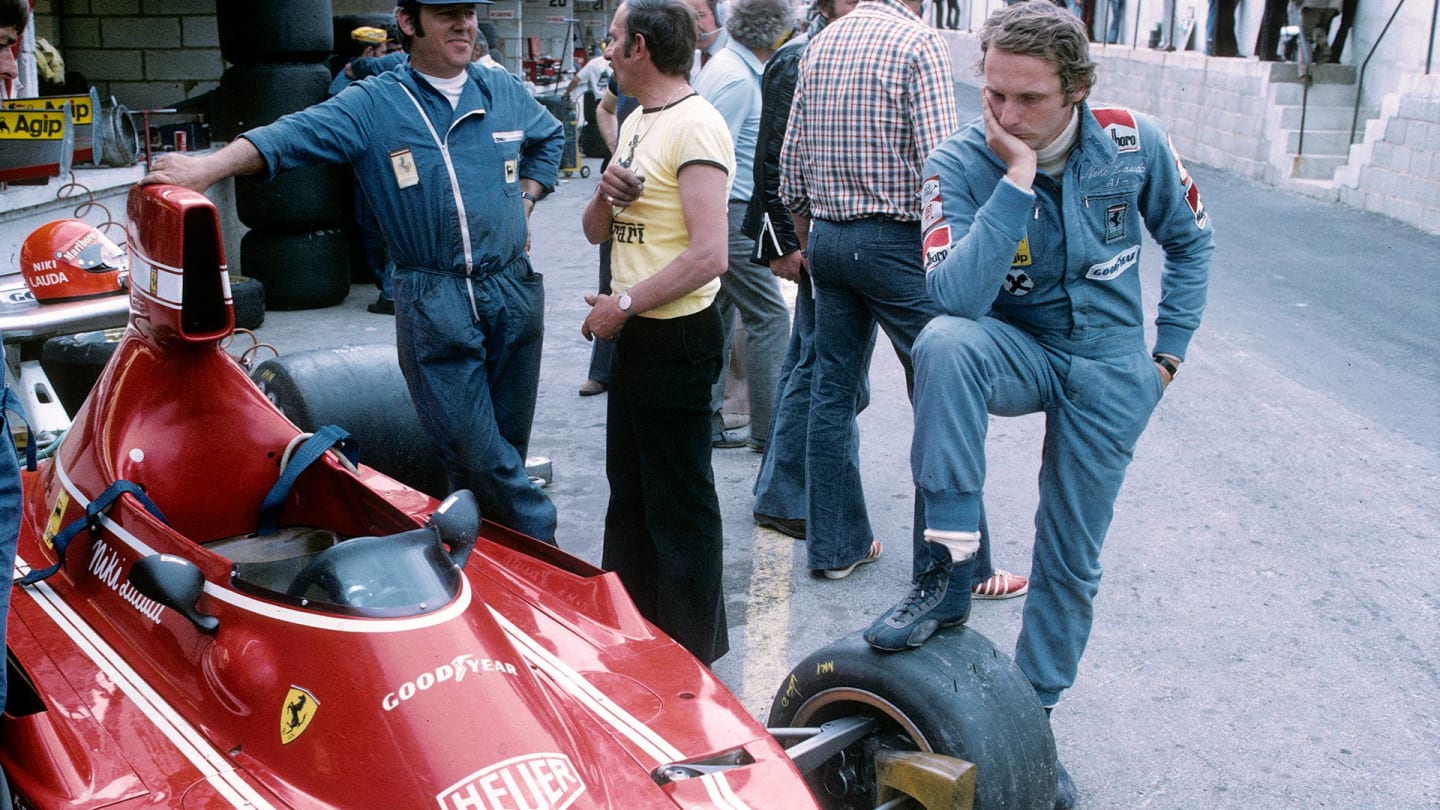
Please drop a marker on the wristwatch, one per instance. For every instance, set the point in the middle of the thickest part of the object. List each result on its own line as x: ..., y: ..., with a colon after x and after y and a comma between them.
x: 525, y: 195
x: 1165, y: 362
x: 624, y: 303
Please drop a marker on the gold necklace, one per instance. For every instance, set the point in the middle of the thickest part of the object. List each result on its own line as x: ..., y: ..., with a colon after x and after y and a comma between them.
x: 640, y: 135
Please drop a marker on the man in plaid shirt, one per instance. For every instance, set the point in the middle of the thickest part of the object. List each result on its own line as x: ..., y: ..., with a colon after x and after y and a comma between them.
x: 874, y: 96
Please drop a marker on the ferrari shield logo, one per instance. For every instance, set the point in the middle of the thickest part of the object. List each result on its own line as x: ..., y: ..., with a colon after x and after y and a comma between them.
x: 300, y: 708
x: 57, y: 514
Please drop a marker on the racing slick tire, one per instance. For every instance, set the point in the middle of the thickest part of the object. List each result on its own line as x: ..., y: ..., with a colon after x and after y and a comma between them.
x: 254, y: 95
x: 360, y: 389
x: 957, y: 695
x: 74, y: 362
x: 274, y: 30
x: 313, y: 197
x: 307, y: 270
x: 248, y: 297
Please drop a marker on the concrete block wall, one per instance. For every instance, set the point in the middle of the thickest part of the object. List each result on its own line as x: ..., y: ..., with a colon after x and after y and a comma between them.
x: 147, y: 53
x: 1215, y: 109
x: 1218, y: 113
x: 1396, y: 170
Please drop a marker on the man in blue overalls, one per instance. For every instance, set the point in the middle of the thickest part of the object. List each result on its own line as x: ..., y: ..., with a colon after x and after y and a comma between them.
x: 452, y: 158
x: 1040, y: 292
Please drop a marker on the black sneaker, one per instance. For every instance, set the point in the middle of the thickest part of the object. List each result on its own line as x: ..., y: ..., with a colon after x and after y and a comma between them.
x: 939, y: 598
x: 383, y: 306
x: 793, y: 527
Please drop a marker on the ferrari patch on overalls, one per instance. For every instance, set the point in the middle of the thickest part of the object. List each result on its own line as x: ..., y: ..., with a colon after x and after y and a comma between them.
x: 1022, y: 254
x: 1115, y: 221
x: 403, y: 163
x: 512, y: 171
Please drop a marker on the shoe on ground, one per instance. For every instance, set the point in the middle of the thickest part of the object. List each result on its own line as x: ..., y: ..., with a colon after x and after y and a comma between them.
x: 1065, y: 795
x: 590, y: 388
x: 1001, y: 585
x: 793, y: 527
x: 735, y: 421
x: 382, y: 306
x: 757, y: 446
x: 840, y: 573
x: 936, y: 600
x: 729, y: 439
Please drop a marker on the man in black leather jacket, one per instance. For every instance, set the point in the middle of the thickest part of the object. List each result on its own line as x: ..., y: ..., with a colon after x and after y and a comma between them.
x: 780, y: 485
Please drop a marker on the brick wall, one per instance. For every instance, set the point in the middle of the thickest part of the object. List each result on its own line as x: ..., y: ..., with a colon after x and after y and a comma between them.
x: 146, y: 53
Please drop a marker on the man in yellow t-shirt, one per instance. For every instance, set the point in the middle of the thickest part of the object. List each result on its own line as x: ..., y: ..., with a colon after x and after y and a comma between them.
x: 662, y: 203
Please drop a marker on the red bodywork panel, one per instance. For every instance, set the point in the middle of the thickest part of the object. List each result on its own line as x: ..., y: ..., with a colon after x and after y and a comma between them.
x: 536, y: 684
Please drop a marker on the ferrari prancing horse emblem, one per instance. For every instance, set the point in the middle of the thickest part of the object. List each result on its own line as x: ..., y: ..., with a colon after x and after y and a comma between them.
x: 300, y: 708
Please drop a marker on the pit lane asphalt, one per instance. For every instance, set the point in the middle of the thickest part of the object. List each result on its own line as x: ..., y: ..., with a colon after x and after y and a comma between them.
x: 1268, y: 631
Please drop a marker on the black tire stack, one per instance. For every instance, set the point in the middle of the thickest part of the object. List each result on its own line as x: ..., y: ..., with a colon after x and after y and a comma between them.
x: 297, y: 245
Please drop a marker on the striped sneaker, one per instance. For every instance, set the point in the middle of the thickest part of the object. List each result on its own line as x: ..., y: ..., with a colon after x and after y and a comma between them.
x: 1001, y: 585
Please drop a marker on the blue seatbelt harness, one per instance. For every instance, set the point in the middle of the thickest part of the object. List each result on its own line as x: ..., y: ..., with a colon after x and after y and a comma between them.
x: 91, y: 522
x: 327, y: 437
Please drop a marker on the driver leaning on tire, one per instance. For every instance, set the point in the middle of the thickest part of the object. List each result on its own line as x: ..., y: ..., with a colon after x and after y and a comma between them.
x: 452, y: 159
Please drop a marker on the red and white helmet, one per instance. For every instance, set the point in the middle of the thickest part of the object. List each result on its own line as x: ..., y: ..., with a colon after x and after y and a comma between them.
x: 69, y: 258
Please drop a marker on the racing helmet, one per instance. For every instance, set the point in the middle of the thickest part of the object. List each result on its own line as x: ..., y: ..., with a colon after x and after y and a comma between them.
x: 70, y: 258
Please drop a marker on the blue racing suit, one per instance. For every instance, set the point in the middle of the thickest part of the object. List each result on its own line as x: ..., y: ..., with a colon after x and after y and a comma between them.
x: 1040, y: 292
x: 445, y: 186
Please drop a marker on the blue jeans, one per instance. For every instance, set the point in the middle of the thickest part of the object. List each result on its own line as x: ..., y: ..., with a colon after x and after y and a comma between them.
x: 473, y: 374
x: 663, y: 535
x: 1097, y: 399
x: 780, y: 485
x: 754, y: 292
x: 10, y: 508
x: 865, y: 272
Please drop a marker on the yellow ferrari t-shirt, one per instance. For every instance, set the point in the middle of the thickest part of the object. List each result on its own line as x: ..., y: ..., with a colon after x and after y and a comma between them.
x: 645, y: 237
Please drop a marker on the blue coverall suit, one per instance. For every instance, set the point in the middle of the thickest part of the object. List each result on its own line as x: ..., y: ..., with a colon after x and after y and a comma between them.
x: 1055, y: 325
x: 445, y: 186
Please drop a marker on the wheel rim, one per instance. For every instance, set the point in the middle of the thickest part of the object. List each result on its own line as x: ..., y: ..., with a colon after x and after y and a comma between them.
x: 848, y: 779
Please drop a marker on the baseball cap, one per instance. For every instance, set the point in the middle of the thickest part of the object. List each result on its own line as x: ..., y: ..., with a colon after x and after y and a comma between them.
x: 368, y: 34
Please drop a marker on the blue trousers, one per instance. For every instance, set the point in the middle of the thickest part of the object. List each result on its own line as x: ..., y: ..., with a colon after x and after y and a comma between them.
x: 866, y: 272
x: 1097, y: 398
x: 473, y: 371
x: 780, y: 489
x: 10, y: 508
x: 754, y: 292
x: 663, y: 534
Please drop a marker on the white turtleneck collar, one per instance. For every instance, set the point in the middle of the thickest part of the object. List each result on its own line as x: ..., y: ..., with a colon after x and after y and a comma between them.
x: 1051, y: 159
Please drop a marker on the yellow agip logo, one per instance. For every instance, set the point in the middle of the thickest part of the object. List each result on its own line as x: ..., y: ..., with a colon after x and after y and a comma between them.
x: 299, y: 709
x: 1022, y: 254
x: 32, y: 125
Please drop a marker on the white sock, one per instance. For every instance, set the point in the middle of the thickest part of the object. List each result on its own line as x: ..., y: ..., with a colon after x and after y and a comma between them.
x: 962, y: 545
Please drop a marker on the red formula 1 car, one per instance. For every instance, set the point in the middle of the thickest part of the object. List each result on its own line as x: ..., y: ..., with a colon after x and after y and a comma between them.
x: 238, y: 616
